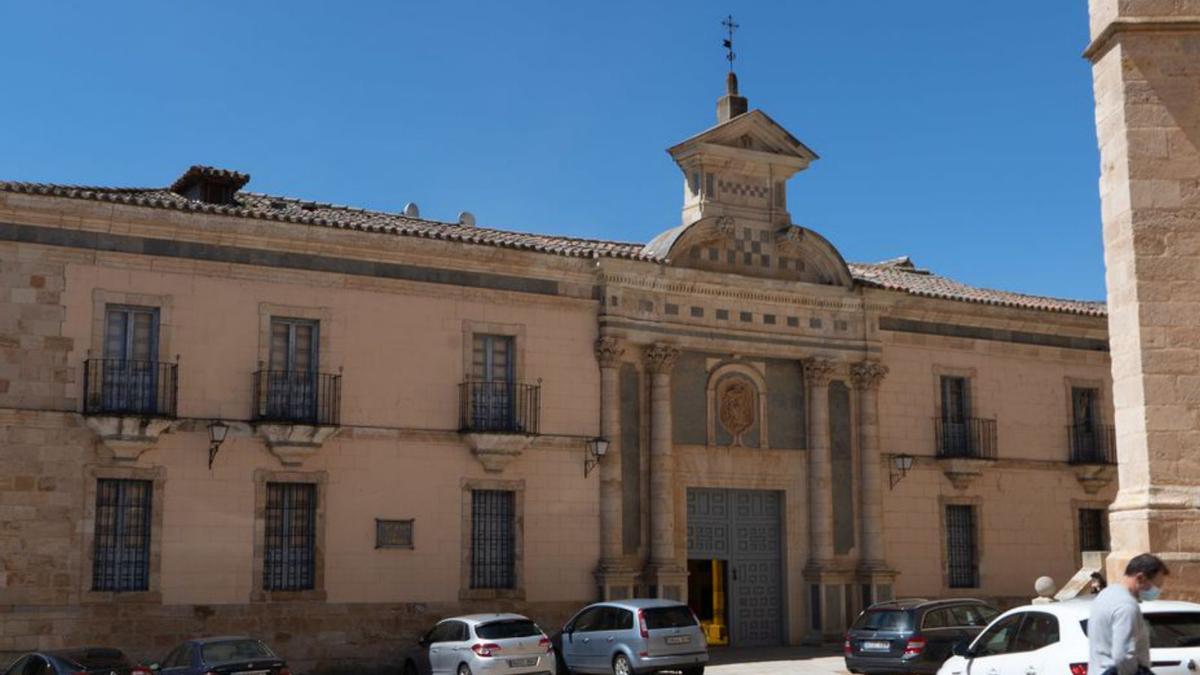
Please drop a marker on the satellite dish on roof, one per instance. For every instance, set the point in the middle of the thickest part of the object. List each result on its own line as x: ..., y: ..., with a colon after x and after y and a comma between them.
x: 411, y: 210
x: 466, y: 219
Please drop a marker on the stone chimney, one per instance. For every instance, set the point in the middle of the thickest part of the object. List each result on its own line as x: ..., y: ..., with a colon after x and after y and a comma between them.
x: 731, y: 105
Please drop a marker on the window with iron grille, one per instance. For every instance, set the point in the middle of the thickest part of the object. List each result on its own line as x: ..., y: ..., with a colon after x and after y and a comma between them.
x: 289, y: 557
x: 493, y: 539
x: 961, y: 547
x: 121, y: 561
x: 1093, y: 535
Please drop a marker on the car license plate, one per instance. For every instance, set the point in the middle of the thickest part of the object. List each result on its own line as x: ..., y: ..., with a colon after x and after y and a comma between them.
x: 521, y: 663
x: 876, y: 646
x: 253, y: 672
x: 678, y: 639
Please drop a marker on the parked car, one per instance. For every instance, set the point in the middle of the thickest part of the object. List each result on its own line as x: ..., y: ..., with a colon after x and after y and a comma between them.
x: 76, y: 662
x: 482, y: 644
x: 632, y: 636
x: 222, y: 656
x: 912, y: 635
x: 1051, y: 639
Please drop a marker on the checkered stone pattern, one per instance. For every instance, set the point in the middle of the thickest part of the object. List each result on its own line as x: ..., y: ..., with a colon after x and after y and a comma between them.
x: 744, y: 190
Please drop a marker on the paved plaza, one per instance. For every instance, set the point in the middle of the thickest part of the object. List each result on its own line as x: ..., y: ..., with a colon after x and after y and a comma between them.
x: 776, y: 661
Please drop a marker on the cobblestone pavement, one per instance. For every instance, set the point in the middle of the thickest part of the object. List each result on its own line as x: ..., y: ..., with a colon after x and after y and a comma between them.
x: 776, y: 661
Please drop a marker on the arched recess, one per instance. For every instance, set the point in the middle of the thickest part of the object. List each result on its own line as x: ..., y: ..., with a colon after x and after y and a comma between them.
x: 737, y: 405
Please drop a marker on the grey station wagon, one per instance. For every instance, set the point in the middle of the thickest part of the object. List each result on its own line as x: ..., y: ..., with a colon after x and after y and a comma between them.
x: 913, y: 635
x: 624, y: 637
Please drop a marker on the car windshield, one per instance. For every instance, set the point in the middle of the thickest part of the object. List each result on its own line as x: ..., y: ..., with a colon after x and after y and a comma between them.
x: 234, y: 650
x: 508, y: 628
x: 884, y: 619
x: 677, y: 616
x: 1169, y: 629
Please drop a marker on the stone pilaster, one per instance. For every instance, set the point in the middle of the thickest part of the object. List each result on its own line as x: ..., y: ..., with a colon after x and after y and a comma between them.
x: 1145, y: 58
x: 615, y: 577
x: 665, y: 574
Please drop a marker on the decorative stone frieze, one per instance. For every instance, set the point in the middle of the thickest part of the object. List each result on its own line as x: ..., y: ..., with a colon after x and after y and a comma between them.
x: 818, y: 371
x: 127, y: 437
x: 660, y: 357
x: 496, y: 451
x: 609, y: 351
x: 293, y: 444
x: 867, y: 374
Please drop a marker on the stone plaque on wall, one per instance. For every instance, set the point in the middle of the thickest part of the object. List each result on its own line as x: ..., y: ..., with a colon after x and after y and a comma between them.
x: 393, y: 533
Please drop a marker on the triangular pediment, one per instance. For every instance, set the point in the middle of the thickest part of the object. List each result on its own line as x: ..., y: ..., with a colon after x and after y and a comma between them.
x: 754, y: 132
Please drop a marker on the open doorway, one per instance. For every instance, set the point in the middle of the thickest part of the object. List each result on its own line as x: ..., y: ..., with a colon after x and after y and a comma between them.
x: 707, y: 581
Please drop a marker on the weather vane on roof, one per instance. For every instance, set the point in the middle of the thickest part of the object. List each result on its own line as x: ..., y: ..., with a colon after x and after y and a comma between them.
x: 730, y: 26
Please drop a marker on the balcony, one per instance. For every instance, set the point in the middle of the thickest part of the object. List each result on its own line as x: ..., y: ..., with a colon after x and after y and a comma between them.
x: 1092, y: 443
x: 122, y: 387
x: 499, y: 407
x: 128, y: 403
x: 969, y: 438
x: 297, y: 397
x: 296, y: 411
x: 499, y: 420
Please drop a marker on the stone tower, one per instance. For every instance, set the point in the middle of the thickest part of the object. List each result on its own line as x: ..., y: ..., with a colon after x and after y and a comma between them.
x: 1146, y: 71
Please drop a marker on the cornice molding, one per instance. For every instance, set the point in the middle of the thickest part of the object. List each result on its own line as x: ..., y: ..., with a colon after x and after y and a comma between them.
x: 702, y: 289
x: 1149, y: 24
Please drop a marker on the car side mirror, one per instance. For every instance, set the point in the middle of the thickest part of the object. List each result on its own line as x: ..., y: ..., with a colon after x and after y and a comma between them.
x: 963, y: 649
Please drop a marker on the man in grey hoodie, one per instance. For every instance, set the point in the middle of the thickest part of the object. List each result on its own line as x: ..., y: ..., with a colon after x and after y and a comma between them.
x: 1118, y: 638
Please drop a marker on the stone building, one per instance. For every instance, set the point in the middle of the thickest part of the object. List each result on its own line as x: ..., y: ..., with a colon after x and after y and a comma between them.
x: 229, y: 412
x: 1145, y: 58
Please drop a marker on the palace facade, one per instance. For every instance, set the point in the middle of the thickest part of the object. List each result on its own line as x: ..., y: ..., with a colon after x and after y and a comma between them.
x: 229, y: 412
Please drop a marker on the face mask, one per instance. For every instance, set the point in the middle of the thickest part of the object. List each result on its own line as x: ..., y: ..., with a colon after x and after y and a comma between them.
x: 1151, y: 593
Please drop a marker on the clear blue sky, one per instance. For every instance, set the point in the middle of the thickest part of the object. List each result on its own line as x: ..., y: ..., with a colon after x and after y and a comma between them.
x: 958, y: 132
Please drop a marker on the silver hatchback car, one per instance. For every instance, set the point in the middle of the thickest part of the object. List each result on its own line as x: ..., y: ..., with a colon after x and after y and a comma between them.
x: 624, y: 637
x: 482, y: 644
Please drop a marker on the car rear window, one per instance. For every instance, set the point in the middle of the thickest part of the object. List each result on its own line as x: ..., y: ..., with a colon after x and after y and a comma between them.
x: 884, y: 619
x: 1169, y: 629
x: 234, y: 650
x: 508, y: 628
x: 678, y: 616
x: 93, y: 659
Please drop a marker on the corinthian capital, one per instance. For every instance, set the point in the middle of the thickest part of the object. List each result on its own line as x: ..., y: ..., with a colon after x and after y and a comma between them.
x: 609, y: 351
x: 818, y: 371
x: 867, y: 374
x: 660, y: 357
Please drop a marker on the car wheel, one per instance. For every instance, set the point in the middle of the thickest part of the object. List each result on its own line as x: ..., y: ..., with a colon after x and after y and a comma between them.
x: 464, y: 669
x: 621, y: 665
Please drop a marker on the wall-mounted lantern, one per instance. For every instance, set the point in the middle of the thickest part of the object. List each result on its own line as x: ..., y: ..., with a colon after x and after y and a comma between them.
x: 217, y: 431
x: 596, y: 449
x: 901, y: 465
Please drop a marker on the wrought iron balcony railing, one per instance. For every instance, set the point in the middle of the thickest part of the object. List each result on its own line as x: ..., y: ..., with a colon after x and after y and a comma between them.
x: 1092, y: 443
x: 972, y: 437
x: 129, y: 387
x: 298, y: 397
x: 500, y: 407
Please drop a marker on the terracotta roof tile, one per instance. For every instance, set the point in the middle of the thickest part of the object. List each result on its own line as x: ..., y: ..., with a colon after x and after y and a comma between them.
x: 898, y: 274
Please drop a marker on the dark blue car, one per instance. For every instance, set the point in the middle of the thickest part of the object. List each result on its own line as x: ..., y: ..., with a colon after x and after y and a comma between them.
x: 220, y: 656
x: 75, y: 662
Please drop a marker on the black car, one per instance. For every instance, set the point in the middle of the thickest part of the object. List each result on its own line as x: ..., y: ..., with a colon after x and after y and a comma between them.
x: 912, y: 635
x: 75, y: 662
x: 220, y: 656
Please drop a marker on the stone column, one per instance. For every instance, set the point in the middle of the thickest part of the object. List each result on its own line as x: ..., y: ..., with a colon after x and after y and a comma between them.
x: 825, y: 583
x: 614, y: 576
x: 873, y: 571
x: 817, y: 373
x: 1145, y: 58
x: 866, y: 377
x: 665, y: 574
